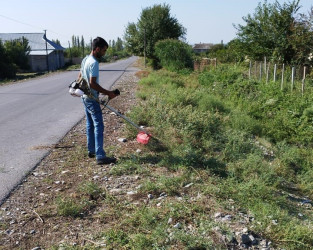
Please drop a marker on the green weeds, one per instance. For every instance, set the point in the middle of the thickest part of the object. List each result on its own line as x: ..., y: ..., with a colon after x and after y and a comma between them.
x: 129, y: 165
x: 70, y: 207
x: 83, y: 200
x: 220, y: 143
x: 253, y: 138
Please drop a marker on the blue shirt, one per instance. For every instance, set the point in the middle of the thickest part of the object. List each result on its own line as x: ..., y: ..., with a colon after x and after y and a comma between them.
x: 90, y: 68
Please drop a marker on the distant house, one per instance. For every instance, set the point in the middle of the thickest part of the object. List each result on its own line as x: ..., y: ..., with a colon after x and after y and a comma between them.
x: 202, y: 47
x: 41, y: 48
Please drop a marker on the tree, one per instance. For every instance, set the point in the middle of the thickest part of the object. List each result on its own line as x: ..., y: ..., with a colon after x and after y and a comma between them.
x: 77, y: 42
x: 155, y: 24
x: 7, y: 69
x: 74, y: 41
x: 17, y: 52
x: 116, y: 50
x: 133, y: 42
x: 13, y: 56
x: 57, y: 41
x: 82, y: 42
x: 79, y: 47
x: 234, y: 51
x: 119, y: 44
x: 272, y: 32
x: 301, y: 39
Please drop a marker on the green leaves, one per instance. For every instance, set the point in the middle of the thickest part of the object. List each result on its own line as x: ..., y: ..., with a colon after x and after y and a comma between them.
x: 275, y: 31
x: 13, y: 56
x: 174, y: 54
x: 155, y: 23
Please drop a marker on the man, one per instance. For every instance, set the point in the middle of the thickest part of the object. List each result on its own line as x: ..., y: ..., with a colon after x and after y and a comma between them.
x: 94, y: 121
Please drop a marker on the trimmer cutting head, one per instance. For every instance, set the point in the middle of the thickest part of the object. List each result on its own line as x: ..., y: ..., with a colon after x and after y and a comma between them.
x: 143, y: 137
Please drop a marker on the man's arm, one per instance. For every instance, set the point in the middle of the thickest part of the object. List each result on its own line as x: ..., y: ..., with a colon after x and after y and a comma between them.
x: 93, y: 84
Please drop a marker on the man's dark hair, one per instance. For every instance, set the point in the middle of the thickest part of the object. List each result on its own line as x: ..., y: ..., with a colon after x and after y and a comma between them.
x: 99, y: 42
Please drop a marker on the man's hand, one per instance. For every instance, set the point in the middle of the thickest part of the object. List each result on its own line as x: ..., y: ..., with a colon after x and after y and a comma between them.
x: 94, y: 85
x: 112, y: 94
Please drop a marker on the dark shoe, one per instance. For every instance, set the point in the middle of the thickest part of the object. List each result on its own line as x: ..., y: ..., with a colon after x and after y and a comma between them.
x: 106, y: 160
x: 91, y: 155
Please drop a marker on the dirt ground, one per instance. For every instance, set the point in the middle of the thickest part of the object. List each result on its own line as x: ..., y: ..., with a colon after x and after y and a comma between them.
x: 29, y: 218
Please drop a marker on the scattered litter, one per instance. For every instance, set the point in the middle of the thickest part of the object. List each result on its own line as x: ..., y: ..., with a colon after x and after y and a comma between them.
x: 122, y: 140
x: 189, y: 185
x: 178, y: 225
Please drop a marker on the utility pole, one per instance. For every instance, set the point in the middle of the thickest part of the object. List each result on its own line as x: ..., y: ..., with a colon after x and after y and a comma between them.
x: 47, y: 55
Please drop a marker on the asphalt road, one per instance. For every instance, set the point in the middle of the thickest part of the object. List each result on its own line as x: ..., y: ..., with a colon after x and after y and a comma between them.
x: 36, y: 114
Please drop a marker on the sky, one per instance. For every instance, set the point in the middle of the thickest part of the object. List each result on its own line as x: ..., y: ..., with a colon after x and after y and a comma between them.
x: 206, y: 21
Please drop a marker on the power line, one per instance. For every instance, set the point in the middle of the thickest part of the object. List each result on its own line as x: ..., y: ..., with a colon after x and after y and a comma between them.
x: 36, y: 27
x: 9, y: 18
x: 33, y: 26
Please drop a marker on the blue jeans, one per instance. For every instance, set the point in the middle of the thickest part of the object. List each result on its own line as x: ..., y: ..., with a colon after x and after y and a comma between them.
x: 94, y: 128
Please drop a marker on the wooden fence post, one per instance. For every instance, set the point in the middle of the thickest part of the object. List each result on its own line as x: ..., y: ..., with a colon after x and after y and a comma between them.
x: 275, y: 69
x: 282, y: 77
x: 250, y: 65
x: 260, y: 71
x: 267, y: 72
x: 265, y: 65
x: 303, y: 80
x: 292, y: 77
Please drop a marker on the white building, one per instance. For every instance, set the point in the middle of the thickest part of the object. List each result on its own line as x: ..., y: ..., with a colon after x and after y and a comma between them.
x: 41, y: 48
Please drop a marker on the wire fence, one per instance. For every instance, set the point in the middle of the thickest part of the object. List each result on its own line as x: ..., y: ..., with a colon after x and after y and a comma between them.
x: 288, y: 76
x: 293, y: 77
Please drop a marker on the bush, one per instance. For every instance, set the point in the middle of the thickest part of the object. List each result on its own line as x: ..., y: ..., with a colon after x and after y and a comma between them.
x: 8, y: 70
x: 174, y: 55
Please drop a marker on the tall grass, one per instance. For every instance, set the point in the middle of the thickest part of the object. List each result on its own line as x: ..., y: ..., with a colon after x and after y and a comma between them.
x: 284, y: 115
x: 255, y: 138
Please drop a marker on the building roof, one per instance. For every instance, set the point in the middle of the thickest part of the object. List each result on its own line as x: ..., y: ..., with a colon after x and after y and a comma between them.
x: 202, y: 46
x: 36, y: 41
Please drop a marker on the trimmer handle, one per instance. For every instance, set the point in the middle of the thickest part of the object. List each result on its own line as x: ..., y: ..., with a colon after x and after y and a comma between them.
x: 117, y: 92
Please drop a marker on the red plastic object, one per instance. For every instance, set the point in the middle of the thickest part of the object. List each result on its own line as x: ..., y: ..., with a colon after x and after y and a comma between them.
x: 143, y: 138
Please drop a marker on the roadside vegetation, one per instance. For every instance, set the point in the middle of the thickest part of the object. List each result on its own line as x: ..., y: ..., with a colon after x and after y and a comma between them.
x: 230, y: 160
x: 214, y: 172
x: 234, y: 140
x: 13, y: 57
x: 244, y: 144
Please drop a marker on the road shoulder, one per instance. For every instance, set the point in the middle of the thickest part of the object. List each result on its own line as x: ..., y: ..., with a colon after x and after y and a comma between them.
x: 29, y: 217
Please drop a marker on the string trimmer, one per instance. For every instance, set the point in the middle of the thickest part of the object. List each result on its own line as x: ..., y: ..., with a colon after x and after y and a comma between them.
x: 78, y: 89
x: 143, y: 136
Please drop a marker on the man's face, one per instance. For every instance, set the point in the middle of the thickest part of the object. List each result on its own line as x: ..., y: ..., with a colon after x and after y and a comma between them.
x: 100, y: 52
